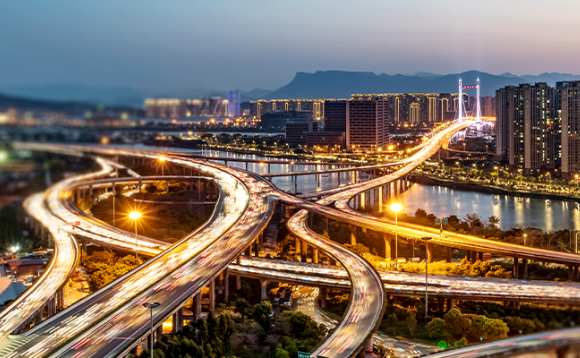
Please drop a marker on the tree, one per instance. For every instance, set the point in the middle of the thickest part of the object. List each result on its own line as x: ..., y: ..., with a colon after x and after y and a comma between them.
x: 461, y: 343
x: 262, y: 313
x: 493, y: 221
x: 392, y: 322
x: 436, y: 328
x: 411, y: 323
x: 280, y: 352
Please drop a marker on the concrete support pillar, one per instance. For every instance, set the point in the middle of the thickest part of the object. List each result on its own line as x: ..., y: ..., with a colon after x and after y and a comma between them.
x: 38, y: 317
x: 212, y: 295
x: 480, y: 256
x: 352, y: 234
x: 226, y: 286
x: 167, y: 187
x: 51, y: 307
x: 411, y: 247
x: 314, y: 255
x: 158, y: 332
x: 197, y: 307
x: 441, y: 303
x: 298, y: 246
x: 310, y: 220
x: 322, y: 293
x: 525, y: 269
x: 263, y: 290
x: 387, y: 240
x: 575, y: 273
x: 570, y: 273
x: 326, y: 224
x: 238, y: 282
x: 304, y: 251
x: 83, y: 251
x: 516, y: 272
x: 60, y: 299
x: 177, y: 320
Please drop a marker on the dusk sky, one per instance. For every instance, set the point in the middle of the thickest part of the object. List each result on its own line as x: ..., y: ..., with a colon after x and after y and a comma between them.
x: 247, y: 44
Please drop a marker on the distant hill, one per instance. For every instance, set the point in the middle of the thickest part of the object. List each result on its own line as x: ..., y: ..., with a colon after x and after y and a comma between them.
x: 341, y: 84
x: 25, y: 104
x: 108, y: 96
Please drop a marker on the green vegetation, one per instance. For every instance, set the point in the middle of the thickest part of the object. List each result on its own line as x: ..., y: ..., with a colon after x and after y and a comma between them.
x: 104, y: 267
x: 459, y: 327
x: 10, y: 231
x: 167, y: 223
x: 243, y: 331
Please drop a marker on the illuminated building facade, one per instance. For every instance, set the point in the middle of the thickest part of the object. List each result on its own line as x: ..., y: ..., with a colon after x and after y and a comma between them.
x: 530, y: 114
x: 570, y: 130
x: 234, y: 104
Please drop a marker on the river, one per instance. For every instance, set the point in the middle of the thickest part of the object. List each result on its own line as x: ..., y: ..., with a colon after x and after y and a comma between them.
x: 548, y: 215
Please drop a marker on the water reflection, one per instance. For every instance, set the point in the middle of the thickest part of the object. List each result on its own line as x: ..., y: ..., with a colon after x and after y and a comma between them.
x: 543, y: 214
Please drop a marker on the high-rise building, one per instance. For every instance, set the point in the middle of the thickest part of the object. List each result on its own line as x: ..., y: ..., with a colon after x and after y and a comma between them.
x: 433, y: 99
x: 502, y: 123
x: 528, y: 112
x: 234, y: 104
x: 570, y: 130
x: 335, y: 116
x: 414, y: 113
x: 296, y: 130
x: 367, y: 125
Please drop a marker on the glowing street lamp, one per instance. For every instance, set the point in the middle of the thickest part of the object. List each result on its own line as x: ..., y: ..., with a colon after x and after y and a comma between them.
x: 396, y: 208
x: 525, y: 236
x: 162, y: 159
x: 134, y: 216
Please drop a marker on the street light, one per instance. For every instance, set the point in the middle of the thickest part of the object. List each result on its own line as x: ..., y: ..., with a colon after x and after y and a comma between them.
x: 426, y: 239
x: 151, y: 305
x: 134, y: 216
x: 162, y: 159
x: 396, y: 208
x: 525, y: 235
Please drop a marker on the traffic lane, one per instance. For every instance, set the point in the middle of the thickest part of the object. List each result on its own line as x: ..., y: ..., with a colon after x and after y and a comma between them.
x: 505, y: 289
x: 61, y: 264
x: 461, y: 241
x: 367, y: 296
x: 113, y: 335
x: 77, y: 320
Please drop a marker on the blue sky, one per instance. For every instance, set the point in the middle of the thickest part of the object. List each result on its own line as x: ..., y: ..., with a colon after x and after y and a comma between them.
x: 178, y: 44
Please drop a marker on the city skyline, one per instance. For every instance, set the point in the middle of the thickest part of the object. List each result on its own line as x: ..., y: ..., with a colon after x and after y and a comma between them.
x: 224, y: 46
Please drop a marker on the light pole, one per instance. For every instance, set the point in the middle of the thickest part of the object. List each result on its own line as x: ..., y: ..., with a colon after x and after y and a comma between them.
x: 396, y: 208
x: 162, y: 159
x: 134, y: 216
x: 426, y: 239
x: 525, y: 235
x: 497, y: 169
x: 151, y: 305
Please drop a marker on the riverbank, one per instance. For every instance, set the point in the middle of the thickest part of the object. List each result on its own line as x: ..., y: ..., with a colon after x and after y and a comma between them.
x: 488, y: 189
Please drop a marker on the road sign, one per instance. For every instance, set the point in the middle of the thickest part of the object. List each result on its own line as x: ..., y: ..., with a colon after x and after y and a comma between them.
x: 437, y: 221
x: 303, y: 354
x: 445, y: 221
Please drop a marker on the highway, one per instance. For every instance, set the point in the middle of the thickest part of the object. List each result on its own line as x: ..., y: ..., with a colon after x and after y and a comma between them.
x: 367, y: 299
x: 63, y: 261
x: 253, y: 204
x: 412, y: 284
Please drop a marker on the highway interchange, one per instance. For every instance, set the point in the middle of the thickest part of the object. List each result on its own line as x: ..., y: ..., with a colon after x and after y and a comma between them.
x: 186, y: 270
